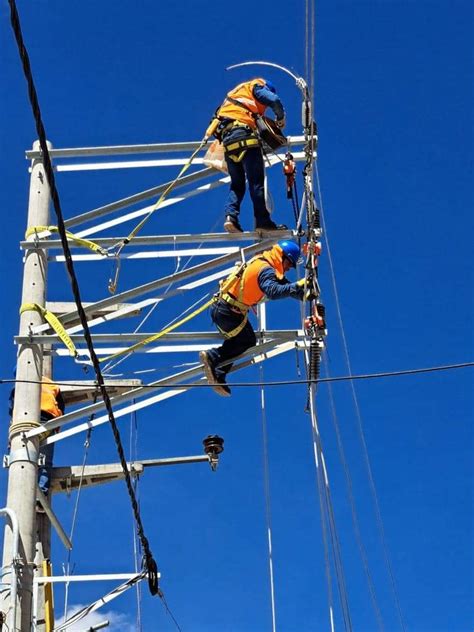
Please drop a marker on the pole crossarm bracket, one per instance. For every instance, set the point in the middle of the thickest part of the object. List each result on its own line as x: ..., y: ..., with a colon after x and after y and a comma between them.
x: 162, y: 282
x: 67, y: 479
x: 41, y: 498
x: 178, y: 383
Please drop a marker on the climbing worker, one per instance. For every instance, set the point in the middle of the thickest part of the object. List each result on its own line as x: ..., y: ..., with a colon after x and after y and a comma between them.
x: 52, y: 406
x: 262, y: 277
x: 243, y: 153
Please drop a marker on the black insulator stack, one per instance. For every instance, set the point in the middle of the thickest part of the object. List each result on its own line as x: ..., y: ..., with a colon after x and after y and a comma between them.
x: 314, y: 359
x: 316, y: 217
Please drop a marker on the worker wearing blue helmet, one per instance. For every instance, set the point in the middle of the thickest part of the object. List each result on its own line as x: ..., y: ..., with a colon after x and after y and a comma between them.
x: 262, y: 277
x: 243, y: 153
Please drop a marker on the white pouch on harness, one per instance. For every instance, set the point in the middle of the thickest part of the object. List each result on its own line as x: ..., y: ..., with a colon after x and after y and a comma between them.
x: 214, y: 156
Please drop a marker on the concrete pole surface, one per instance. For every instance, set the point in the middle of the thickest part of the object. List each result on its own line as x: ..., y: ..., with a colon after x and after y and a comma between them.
x: 22, y: 473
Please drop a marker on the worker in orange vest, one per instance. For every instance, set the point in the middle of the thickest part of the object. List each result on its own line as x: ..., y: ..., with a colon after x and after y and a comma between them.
x: 51, y: 406
x: 262, y: 277
x: 243, y: 154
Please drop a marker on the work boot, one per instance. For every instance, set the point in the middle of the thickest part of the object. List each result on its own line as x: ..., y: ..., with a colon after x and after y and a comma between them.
x: 270, y: 225
x: 231, y: 225
x: 218, y: 385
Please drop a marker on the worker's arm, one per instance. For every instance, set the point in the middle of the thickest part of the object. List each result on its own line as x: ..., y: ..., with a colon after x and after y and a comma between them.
x: 275, y: 288
x: 271, y: 100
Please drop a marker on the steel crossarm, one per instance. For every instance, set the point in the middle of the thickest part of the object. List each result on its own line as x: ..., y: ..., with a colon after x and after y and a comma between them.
x: 205, y: 188
x: 173, y: 337
x: 158, y: 240
x: 124, y: 150
x: 201, y: 383
x: 152, y: 254
x: 252, y: 356
x: 123, y: 297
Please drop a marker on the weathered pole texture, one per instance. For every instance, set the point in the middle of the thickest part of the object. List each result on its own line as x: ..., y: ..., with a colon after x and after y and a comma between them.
x: 23, y: 464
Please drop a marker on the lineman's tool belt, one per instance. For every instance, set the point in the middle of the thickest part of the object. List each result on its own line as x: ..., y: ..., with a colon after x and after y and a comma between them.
x: 237, y: 150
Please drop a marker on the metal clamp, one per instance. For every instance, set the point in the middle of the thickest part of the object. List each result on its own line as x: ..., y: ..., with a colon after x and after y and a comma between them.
x: 23, y: 454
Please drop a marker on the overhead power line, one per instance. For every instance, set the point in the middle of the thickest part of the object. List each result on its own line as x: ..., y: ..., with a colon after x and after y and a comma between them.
x: 321, y: 380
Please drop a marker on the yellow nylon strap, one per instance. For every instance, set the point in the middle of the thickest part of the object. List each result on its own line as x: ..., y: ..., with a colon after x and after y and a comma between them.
x: 113, y: 282
x: 165, y: 193
x: 162, y: 333
x: 187, y: 318
x: 86, y: 243
x: 236, y: 331
x: 55, y: 324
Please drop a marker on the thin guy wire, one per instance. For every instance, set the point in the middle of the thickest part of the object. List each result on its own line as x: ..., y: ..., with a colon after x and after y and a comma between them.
x: 359, y: 419
x: 268, y: 511
x: 355, y: 520
x: 338, y: 565
x: 76, y: 507
x: 324, y: 519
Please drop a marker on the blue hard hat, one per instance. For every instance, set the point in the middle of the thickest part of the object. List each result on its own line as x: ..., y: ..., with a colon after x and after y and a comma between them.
x: 270, y: 86
x: 291, y: 251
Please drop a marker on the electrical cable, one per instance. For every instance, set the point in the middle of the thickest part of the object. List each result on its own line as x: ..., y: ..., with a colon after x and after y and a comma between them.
x: 355, y: 520
x: 320, y: 380
x: 360, y: 429
x: 268, y: 511
x: 133, y: 450
x: 149, y: 562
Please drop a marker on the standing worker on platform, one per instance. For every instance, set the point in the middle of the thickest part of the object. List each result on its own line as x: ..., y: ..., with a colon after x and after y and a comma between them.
x: 52, y: 406
x: 243, y: 154
x: 262, y: 277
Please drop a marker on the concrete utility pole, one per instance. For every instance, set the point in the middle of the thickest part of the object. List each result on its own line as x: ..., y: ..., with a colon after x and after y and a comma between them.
x: 23, y: 458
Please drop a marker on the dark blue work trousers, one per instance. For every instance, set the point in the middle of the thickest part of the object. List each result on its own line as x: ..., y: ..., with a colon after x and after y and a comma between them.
x: 226, y: 319
x: 251, y: 167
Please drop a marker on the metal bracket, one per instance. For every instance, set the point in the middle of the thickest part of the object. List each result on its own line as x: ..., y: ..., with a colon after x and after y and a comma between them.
x: 23, y: 454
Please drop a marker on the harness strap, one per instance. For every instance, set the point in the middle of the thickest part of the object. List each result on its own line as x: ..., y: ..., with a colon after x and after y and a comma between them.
x: 241, y: 144
x: 242, y: 307
x: 236, y: 331
x: 55, y: 324
x: 163, y: 332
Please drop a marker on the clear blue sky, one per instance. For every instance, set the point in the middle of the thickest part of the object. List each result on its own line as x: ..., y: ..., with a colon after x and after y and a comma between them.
x: 394, y: 110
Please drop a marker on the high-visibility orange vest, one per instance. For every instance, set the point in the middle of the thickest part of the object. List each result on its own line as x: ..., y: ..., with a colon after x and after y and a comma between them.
x: 244, y: 94
x: 49, y: 393
x: 246, y: 289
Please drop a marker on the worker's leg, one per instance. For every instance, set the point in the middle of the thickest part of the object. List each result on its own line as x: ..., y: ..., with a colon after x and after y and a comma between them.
x: 227, y: 320
x: 255, y: 171
x: 237, y: 189
x: 45, y: 470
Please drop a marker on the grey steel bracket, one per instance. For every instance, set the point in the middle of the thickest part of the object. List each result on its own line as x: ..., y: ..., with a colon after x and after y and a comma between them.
x: 23, y: 454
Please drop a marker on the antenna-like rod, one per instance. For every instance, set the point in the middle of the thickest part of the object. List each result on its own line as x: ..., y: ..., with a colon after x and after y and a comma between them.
x: 300, y: 82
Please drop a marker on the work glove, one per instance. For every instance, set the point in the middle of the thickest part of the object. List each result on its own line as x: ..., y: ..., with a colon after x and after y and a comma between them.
x: 280, y: 123
x: 309, y: 295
